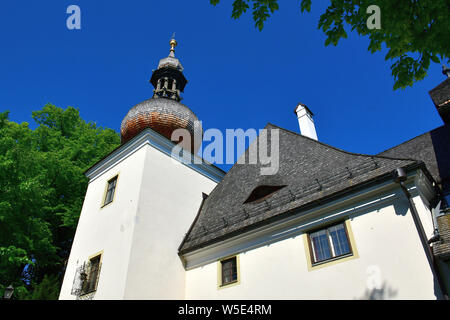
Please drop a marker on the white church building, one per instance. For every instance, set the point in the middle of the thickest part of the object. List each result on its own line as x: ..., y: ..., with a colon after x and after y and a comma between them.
x: 329, y: 224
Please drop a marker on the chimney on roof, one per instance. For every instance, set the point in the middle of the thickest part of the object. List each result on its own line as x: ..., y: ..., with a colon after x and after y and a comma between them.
x: 305, y: 121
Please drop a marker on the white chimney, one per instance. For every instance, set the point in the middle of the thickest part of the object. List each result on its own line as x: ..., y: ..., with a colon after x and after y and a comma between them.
x: 305, y: 121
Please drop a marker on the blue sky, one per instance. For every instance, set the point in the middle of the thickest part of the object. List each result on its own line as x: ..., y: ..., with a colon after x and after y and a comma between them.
x: 238, y: 77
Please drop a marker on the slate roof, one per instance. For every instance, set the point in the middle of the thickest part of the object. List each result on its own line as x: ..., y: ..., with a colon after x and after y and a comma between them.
x: 440, y: 96
x: 312, y: 171
x: 433, y: 148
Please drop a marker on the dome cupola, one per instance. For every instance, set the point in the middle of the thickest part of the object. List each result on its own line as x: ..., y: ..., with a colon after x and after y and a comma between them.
x: 164, y: 112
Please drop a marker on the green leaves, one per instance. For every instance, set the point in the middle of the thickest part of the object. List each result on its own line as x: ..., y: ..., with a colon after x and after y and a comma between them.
x: 435, y: 59
x: 42, y: 188
x: 47, y: 289
x: 262, y: 9
x: 305, y: 5
x: 239, y: 7
x: 13, y: 256
x: 414, y: 32
x: 3, y: 118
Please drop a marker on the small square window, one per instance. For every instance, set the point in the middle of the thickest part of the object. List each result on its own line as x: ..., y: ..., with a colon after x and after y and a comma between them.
x: 111, y: 189
x: 329, y: 243
x: 229, y: 271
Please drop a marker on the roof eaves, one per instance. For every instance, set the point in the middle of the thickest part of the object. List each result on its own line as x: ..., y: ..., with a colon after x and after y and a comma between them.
x: 137, y: 137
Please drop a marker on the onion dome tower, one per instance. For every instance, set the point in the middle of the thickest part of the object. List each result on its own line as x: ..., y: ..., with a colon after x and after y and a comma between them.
x: 163, y: 112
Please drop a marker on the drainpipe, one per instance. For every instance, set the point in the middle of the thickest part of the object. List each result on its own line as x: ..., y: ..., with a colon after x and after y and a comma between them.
x: 400, y: 178
x: 436, y: 235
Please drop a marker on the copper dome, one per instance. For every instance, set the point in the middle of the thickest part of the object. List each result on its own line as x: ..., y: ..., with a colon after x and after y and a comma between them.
x: 163, y: 115
x: 163, y: 112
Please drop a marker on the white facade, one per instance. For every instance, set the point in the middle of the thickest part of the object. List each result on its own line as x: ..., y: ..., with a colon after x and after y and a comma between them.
x: 157, y: 199
x: 388, y: 260
x: 138, y: 234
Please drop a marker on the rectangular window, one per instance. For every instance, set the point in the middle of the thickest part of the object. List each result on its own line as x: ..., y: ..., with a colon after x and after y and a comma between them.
x: 111, y: 188
x: 329, y: 243
x: 229, y: 271
x: 92, y: 275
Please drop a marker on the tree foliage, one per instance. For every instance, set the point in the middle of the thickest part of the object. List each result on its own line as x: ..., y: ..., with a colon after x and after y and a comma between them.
x: 415, y: 32
x: 42, y: 187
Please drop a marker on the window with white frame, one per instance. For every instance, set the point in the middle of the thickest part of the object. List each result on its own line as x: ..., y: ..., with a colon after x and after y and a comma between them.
x: 329, y: 243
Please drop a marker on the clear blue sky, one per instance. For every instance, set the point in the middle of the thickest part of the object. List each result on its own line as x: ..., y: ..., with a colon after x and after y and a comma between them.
x: 238, y: 77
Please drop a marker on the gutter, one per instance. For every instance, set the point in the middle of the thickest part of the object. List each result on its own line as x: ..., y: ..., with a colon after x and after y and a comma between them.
x: 400, y: 178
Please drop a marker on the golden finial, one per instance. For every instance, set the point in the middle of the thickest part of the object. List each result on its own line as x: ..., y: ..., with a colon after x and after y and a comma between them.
x: 173, y: 44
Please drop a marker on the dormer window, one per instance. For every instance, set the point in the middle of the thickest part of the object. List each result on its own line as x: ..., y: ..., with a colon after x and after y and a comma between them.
x: 261, y: 193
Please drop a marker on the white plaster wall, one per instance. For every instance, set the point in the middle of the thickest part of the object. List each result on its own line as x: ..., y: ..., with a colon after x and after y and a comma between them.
x: 170, y: 197
x: 155, y: 202
x: 424, y: 216
x: 386, y: 241
x: 108, y: 229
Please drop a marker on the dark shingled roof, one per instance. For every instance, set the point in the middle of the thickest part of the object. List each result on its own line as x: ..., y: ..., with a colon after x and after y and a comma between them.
x: 441, y: 93
x: 433, y: 148
x: 310, y: 170
x: 441, y: 98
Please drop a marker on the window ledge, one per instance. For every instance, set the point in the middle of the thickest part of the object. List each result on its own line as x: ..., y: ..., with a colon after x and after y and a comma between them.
x: 231, y: 284
x: 87, y: 296
x: 105, y: 205
x: 332, y: 260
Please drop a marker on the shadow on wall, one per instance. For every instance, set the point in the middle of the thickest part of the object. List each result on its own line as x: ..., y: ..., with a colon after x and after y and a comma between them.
x: 401, y: 206
x: 382, y: 293
x: 387, y: 293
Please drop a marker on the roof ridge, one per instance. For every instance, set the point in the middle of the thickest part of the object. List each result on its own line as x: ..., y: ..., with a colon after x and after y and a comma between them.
x: 409, y: 140
x: 337, y: 149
